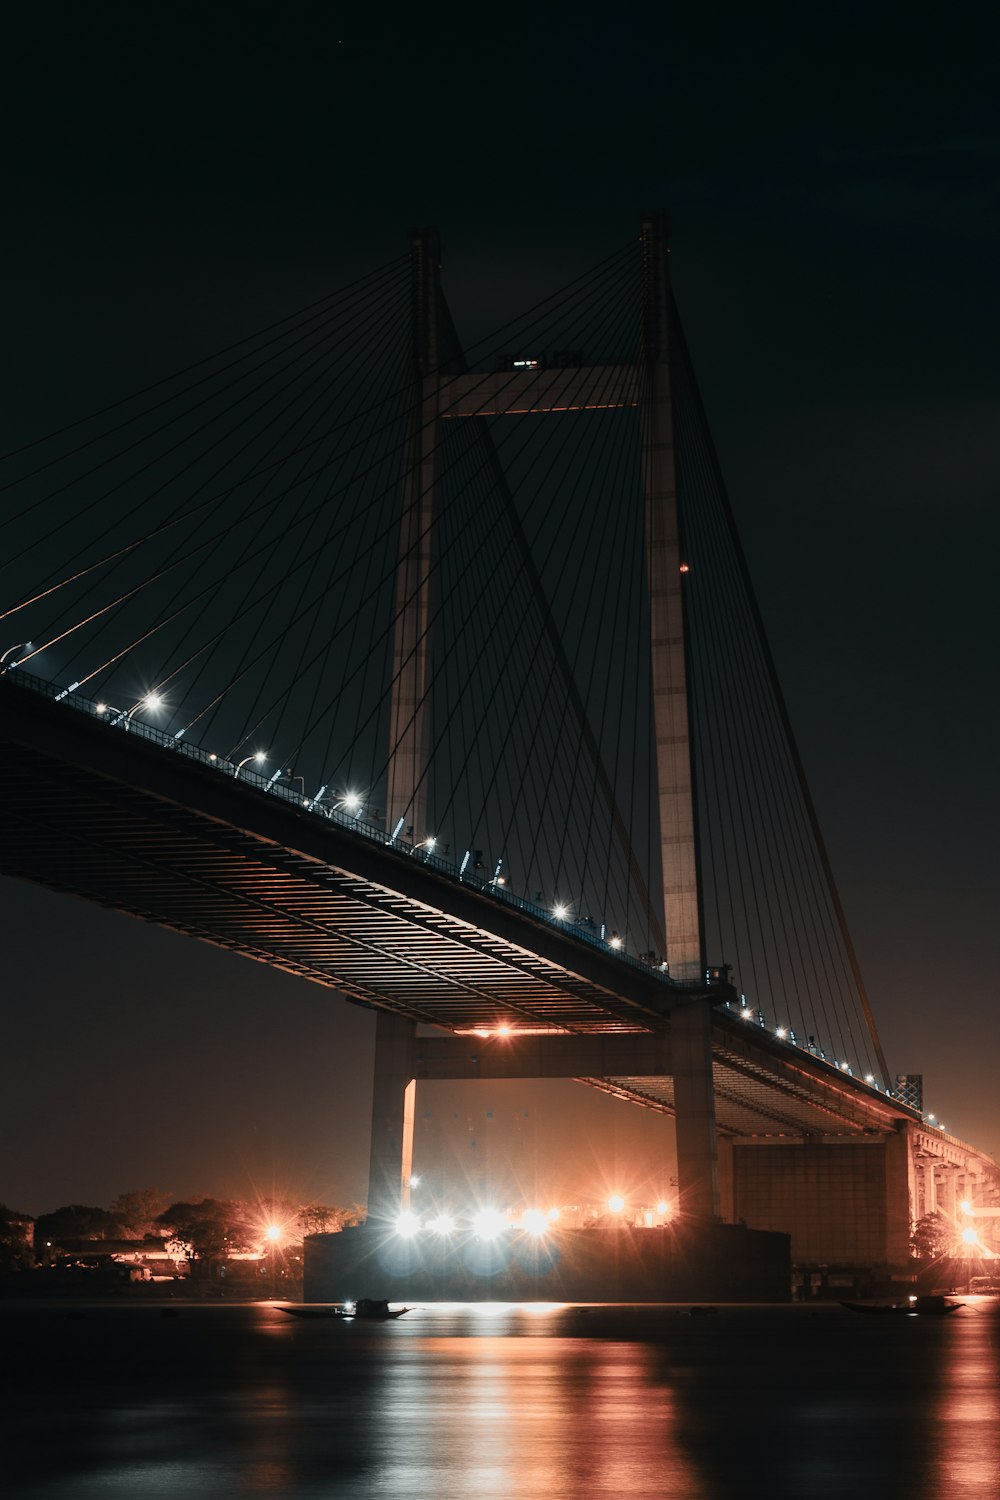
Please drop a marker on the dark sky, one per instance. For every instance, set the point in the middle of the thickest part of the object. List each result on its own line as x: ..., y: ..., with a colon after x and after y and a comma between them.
x: 178, y: 175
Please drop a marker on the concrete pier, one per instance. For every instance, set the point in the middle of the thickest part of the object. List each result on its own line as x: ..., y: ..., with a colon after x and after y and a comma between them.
x: 689, y: 1262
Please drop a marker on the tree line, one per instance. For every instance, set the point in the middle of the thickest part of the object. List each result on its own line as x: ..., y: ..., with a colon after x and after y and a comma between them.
x: 212, y: 1227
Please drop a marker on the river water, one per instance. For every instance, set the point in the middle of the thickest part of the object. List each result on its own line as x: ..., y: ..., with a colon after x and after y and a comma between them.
x: 468, y: 1401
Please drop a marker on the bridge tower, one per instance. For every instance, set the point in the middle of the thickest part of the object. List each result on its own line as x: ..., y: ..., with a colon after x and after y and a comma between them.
x: 690, y: 1026
x: 394, y: 1085
x: 409, y: 708
x: 434, y: 397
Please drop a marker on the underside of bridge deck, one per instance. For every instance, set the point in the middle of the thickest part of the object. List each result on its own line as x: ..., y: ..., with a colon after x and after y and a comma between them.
x: 108, y: 816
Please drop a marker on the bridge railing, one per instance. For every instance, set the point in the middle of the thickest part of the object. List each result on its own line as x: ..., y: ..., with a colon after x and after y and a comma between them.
x: 123, y: 720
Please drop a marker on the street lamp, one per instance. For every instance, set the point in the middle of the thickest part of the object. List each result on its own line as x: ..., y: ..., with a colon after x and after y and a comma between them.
x: 124, y: 715
x: 258, y: 756
x: 21, y: 646
x: 152, y: 701
x: 272, y: 1235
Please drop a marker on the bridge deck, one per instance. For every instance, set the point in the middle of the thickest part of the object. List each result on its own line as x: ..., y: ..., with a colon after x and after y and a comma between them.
x: 127, y: 823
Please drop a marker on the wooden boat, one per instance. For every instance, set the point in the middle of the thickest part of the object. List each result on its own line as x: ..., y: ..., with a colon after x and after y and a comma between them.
x: 933, y: 1306
x: 372, y: 1308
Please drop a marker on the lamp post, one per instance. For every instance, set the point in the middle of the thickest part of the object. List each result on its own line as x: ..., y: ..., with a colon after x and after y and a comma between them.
x: 21, y: 646
x: 124, y: 715
x: 257, y: 756
x: 273, y: 1234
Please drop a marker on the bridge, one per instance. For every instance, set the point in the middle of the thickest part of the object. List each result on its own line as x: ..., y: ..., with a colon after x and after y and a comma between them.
x: 675, y: 935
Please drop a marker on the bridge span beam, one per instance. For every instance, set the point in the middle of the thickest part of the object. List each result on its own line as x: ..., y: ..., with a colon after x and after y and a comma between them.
x: 684, y: 1053
x: 449, y: 1058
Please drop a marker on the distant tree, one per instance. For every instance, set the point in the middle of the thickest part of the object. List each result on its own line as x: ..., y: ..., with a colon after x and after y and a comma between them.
x: 318, y: 1218
x: 214, y: 1226
x: 15, y: 1244
x: 138, y: 1212
x: 76, y: 1221
x: 931, y: 1237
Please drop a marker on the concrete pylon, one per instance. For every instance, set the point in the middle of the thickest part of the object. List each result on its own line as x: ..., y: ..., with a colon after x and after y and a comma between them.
x: 694, y: 1094
x: 393, y: 1098
x: 694, y: 1106
x: 409, y: 708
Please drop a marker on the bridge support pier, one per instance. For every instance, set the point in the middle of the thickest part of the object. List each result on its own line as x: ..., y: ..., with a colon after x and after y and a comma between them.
x: 394, y: 1088
x: 694, y: 1102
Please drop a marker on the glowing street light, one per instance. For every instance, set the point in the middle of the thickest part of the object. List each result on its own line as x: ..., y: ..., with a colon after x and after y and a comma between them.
x: 273, y: 1233
x: 560, y: 912
x: 488, y: 1223
x: 21, y: 646
x: 534, y: 1221
x: 965, y: 1206
x: 441, y: 1224
x: 970, y: 1237
x: 407, y: 1224
x: 151, y: 702
x: 258, y: 757
x: 616, y: 1203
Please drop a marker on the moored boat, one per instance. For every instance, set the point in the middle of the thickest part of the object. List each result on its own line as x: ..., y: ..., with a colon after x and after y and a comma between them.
x: 932, y: 1305
x: 373, y: 1308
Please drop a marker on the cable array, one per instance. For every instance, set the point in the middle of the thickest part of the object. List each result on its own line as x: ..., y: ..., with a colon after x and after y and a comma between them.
x: 228, y: 540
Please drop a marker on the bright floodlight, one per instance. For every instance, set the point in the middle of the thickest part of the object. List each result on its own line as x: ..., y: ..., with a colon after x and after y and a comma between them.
x: 970, y: 1237
x: 965, y: 1206
x: 616, y: 941
x: 534, y: 1221
x: 560, y: 912
x: 152, y: 700
x: 443, y: 1224
x: 746, y: 1013
x: 488, y: 1223
x: 415, y: 1180
x: 407, y: 1225
x: 273, y: 1232
x: 663, y: 1208
x: 616, y: 1203
x: 102, y: 708
x: 352, y: 801
x: 781, y: 1033
x: 503, y: 1030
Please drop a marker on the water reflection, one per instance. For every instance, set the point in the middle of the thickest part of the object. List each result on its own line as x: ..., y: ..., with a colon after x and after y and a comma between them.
x: 965, y: 1456
x: 517, y: 1415
x: 464, y: 1401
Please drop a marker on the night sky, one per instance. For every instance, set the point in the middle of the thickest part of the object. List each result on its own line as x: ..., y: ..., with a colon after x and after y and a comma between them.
x: 176, y: 176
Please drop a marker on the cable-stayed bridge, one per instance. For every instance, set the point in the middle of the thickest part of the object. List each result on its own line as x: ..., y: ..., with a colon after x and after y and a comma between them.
x: 335, y: 653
